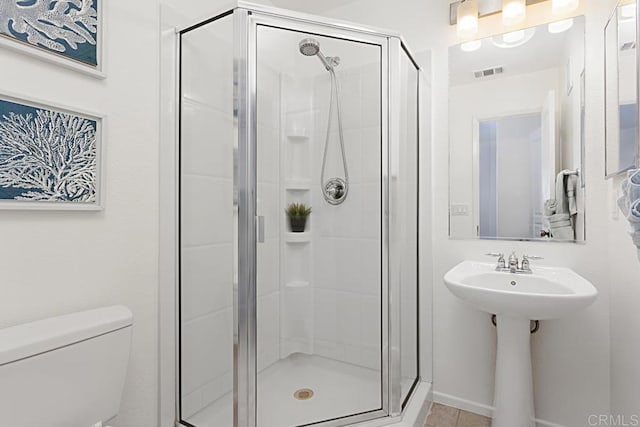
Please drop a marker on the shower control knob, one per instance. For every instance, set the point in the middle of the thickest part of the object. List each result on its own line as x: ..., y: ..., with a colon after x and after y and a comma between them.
x: 335, y: 191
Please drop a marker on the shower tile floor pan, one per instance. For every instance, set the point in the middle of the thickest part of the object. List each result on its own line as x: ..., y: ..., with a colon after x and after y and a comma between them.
x: 339, y: 389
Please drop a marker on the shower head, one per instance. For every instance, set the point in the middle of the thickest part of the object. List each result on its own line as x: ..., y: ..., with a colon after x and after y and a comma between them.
x: 309, y: 47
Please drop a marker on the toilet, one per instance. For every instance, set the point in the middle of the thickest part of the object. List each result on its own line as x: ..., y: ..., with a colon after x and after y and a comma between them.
x: 65, y: 371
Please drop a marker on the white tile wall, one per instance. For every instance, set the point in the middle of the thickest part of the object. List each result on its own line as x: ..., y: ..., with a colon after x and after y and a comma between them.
x: 268, y: 205
x: 207, y: 221
x: 200, y: 265
x: 207, y: 210
x: 212, y: 132
x: 207, y: 353
x: 268, y: 329
x: 347, y: 248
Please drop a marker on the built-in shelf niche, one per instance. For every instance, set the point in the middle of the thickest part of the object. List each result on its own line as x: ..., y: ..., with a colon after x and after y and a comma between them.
x: 296, y: 248
x: 298, y: 237
x: 302, y: 185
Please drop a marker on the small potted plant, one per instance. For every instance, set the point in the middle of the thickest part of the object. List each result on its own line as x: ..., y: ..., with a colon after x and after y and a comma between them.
x: 298, y: 214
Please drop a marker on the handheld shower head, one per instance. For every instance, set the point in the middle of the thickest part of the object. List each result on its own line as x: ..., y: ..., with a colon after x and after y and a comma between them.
x: 309, y: 47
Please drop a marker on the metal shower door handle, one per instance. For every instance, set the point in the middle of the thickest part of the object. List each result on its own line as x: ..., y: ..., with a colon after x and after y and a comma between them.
x: 260, y: 229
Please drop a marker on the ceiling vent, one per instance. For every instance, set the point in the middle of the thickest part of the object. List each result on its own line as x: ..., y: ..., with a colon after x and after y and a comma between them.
x: 628, y: 46
x: 488, y: 72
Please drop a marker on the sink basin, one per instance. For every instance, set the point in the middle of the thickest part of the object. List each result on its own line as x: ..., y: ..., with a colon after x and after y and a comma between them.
x: 516, y: 299
x: 548, y: 293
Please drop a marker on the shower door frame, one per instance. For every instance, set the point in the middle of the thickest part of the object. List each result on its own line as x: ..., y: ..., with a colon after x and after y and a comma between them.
x: 246, y: 32
x: 247, y: 17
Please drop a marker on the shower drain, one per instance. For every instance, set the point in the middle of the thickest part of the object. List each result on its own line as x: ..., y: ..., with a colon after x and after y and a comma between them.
x: 303, y: 394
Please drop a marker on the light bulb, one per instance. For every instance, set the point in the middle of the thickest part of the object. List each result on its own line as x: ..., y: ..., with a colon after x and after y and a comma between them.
x: 560, y: 7
x: 560, y: 26
x: 471, y: 46
x: 513, y: 12
x: 467, y: 18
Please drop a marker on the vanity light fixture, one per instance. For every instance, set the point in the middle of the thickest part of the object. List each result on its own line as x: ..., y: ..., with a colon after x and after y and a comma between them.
x: 561, y: 7
x: 560, y: 26
x: 471, y: 46
x: 467, y: 18
x: 514, y: 12
x: 465, y: 14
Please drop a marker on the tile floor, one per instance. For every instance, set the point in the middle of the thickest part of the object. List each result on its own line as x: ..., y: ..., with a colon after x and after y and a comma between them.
x: 446, y: 416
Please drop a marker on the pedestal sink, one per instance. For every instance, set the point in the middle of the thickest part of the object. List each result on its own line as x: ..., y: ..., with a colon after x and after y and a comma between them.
x: 516, y: 299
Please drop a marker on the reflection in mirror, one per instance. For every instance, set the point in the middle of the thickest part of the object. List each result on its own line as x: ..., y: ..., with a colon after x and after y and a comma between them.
x: 515, y: 127
x: 621, y: 94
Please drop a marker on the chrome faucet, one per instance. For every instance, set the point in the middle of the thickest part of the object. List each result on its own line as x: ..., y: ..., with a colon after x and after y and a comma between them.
x: 526, y: 265
x: 514, y: 266
x: 501, y: 261
x: 513, y: 263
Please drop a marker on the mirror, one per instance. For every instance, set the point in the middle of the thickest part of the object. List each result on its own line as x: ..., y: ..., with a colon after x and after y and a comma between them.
x: 516, y: 124
x: 621, y: 94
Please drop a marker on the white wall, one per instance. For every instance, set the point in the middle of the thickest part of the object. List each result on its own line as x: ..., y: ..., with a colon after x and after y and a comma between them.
x: 61, y: 262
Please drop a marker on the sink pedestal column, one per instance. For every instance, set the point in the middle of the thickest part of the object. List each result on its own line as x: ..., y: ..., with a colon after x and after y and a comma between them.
x: 513, y: 398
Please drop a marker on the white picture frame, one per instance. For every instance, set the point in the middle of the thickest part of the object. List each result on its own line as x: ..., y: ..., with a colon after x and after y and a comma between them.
x: 86, y: 163
x: 12, y: 42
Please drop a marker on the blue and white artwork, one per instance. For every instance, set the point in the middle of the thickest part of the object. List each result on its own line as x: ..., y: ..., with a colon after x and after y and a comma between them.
x: 65, y: 27
x: 47, y: 155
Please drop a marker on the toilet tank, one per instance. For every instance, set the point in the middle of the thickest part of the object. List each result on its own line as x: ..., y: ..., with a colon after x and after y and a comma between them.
x: 66, y: 371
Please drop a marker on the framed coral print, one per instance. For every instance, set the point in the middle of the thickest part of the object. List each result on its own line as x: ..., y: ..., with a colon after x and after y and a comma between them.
x: 50, y: 156
x: 66, y: 32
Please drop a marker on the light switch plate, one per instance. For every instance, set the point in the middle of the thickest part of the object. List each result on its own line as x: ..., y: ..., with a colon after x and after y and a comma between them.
x: 459, y: 210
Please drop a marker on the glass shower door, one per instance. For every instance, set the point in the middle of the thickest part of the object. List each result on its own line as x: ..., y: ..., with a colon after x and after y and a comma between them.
x: 321, y: 286
x: 208, y: 220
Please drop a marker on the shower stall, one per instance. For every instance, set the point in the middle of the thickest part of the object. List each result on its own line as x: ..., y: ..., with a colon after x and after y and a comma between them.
x: 277, y: 328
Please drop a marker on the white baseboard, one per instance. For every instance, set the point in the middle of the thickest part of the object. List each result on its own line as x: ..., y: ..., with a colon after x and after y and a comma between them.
x: 477, y: 408
x: 465, y: 405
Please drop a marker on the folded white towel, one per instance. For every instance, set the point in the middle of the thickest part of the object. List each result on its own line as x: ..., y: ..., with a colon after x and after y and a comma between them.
x: 571, y: 188
x: 633, y: 214
x: 636, y: 238
x: 559, y: 220
x: 566, y: 187
x: 561, y: 193
x: 624, y: 205
x: 634, y: 176
x: 563, y: 233
x: 631, y: 190
x: 550, y: 207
